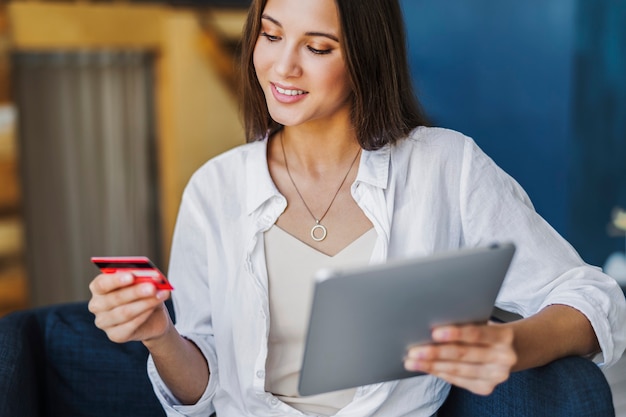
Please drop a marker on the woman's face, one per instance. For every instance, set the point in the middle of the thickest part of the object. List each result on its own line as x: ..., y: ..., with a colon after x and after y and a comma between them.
x: 299, y: 62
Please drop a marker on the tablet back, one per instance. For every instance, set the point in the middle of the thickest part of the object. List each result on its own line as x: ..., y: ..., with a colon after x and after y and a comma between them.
x: 363, y: 320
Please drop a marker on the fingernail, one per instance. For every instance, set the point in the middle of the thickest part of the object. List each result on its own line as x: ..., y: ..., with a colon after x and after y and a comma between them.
x: 162, y: 295
x: 411, y: 365
x: 441, y: 334
x: 146, y: 289
x: 417, y: 353
x: 126, y: 278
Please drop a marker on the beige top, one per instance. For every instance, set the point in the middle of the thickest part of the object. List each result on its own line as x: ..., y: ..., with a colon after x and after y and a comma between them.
x: 290, y: 292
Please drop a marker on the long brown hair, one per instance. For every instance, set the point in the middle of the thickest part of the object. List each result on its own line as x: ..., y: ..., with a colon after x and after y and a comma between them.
x: 384, y: 106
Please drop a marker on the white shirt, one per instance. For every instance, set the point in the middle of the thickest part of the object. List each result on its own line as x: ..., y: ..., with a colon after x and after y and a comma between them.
x: 433, y: 191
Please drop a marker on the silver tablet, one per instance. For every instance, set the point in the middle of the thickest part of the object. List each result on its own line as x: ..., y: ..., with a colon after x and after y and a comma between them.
x: 363, y: 320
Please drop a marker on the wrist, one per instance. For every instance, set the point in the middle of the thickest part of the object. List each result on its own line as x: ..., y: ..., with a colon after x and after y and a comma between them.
x: 158, y: 342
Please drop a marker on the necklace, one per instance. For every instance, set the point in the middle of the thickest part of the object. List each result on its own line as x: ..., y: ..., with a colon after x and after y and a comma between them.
x: 318, y: 231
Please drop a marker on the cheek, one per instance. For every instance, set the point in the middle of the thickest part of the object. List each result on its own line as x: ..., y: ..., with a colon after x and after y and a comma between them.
x: 339, y: 80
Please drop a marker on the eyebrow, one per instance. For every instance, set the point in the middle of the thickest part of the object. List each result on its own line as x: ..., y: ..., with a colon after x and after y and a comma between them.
x: 324, y: 34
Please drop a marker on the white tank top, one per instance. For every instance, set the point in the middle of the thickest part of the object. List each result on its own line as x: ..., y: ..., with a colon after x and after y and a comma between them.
x: 290, y: 265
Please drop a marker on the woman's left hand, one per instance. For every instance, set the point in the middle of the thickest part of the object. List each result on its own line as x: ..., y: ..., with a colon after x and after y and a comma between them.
x: 474, y: 357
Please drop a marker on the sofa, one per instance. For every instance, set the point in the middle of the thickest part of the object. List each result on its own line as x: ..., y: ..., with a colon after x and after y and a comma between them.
x: 55, y: 363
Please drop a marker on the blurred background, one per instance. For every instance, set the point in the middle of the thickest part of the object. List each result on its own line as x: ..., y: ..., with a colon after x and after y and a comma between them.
x: 107, y: 107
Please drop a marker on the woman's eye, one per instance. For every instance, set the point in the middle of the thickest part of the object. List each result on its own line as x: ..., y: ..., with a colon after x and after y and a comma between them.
x: 319, y: 51
x: 271, y: 38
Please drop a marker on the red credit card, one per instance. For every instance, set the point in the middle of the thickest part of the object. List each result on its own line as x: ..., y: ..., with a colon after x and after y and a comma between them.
x: 139, y: 266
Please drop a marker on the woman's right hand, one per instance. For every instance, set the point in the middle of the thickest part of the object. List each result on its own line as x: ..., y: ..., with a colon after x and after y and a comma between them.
x: 128, y: 312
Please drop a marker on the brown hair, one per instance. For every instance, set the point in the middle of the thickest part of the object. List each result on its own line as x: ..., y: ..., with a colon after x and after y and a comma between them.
x: 384, y: 106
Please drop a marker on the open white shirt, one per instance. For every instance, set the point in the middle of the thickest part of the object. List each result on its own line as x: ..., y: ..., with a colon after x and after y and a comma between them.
x: 433, y: 191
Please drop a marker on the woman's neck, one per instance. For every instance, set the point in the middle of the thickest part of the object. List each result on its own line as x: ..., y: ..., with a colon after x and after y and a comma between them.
x: 317, y: 150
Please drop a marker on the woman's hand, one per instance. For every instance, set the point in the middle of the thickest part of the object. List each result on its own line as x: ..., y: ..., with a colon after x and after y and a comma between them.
x: 136, y: 312
x: 474, y: 357
x: 128, y: 312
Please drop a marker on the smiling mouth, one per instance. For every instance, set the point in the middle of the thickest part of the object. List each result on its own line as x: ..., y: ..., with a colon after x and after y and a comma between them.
x: 289, y: 92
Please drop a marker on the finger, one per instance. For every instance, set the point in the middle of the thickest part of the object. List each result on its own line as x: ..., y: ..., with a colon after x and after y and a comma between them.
x: 126, y: 312
x: 458, y: 352
x: 474, y: 334
x: 429, y: 358
x: 147, y: 325
x: 105, y: 283
x: 121, y: 296
x: 453, y: 372
x: 127, y: 331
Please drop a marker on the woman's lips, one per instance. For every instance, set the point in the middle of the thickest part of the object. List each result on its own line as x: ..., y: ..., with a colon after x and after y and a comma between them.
x: 287, y: 95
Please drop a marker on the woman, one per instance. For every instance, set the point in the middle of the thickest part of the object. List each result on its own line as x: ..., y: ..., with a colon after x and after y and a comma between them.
x: 341, y: 170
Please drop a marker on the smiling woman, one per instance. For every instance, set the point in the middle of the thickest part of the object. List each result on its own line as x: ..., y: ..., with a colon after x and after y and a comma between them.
x: 340, y: 169
x: 300, y: 66
x: 375, y: 61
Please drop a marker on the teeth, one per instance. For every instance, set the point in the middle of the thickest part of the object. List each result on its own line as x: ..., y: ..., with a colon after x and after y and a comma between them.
x: 288, y: 92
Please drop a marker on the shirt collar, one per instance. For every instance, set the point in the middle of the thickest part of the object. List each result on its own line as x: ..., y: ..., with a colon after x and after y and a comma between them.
x: 258, y: 176
x: 374, y: 167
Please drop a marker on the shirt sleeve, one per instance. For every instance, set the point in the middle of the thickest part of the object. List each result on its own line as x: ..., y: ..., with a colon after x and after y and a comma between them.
x: 546, y: 269
x: 188, y: 273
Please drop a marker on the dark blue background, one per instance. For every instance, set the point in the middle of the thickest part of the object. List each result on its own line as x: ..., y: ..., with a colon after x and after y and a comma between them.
x: 541, y: 86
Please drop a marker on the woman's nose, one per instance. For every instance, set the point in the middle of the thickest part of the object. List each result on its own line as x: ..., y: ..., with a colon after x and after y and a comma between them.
x: 288, y: 63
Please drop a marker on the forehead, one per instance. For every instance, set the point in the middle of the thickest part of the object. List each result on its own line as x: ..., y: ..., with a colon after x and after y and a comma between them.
x: 304, y: 15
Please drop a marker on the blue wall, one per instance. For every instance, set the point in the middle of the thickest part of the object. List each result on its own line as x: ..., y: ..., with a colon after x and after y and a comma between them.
x: 506, y: 72
x: 599, y: 126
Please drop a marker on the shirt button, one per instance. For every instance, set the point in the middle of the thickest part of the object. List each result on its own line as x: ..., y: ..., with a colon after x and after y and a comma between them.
x: 274, y: 401
x: 260, y: 374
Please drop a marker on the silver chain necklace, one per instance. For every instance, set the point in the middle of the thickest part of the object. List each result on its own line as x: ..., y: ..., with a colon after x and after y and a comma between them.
x: 318, y: 231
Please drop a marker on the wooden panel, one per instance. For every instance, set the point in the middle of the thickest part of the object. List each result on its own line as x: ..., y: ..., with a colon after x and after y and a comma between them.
x: 37, y: 25
x: 7, y: 132
x: 3, y: 19
x: 228, y: 22
x: 198, y: 116
x: 14, y: 293
x: 11, y: 237
x: 9, y: 185
x: 13, y: 289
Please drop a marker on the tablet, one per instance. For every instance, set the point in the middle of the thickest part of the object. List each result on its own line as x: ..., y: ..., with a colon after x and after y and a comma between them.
x: 363, y: 320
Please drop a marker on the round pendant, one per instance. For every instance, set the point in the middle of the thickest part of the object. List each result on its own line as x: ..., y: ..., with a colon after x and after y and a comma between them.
x: 319, y: 237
